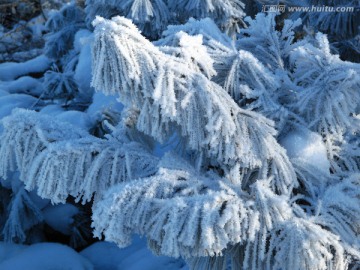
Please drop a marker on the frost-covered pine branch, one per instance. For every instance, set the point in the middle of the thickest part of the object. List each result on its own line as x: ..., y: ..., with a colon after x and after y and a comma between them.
x: 206, y: 27
x: 228, y: 14
x: 59, y: 85
x: 328, y: 89
x: 340, y: 25
x: 270, y: 46
x: 204, y: 219
x: 236, y: 151
x: 219, y: 47
x: 188, y: 214
x: 59, y: 159
x: 256, y: 88
x: 22, y: 215
x: 62, y: 26
x: 338, y: 209
x: 150, y: 16
x: 170, y: 97
x: 191, y: 50
x: 300, y: 244
x: 200, y: 217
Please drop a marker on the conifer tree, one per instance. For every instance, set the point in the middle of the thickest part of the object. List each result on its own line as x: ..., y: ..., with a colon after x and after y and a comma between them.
x: 230, y: 148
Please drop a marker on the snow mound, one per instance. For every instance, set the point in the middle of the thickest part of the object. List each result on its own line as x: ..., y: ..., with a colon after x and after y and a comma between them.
x: 46, y: 256
x: 108, y: 256
x: 76, y: 118
x: 10, y: 102
x: 308, y: 147
x: 101, y: 103
x: 25, y: 85
x: 9, y: 250
x: 53, y: 110
x: 10, y: 70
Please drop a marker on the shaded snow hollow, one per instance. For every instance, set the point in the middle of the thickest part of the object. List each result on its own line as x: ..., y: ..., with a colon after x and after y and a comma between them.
x: 44, y: 256
x: 98, y: 256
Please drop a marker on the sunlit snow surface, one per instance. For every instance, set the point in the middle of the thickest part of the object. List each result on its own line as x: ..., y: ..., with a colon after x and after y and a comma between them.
x: 308, y: 147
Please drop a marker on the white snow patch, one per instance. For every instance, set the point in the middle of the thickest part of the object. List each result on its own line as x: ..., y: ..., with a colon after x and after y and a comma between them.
x: 24, y: 84
x: 53, y: 110
x: 308, y: 147
x: 83, y: 69
x: 101, y: 103
x: 82, y: 37
x: 10, y: 70
x: 10, y: 102
x: 76, y: 118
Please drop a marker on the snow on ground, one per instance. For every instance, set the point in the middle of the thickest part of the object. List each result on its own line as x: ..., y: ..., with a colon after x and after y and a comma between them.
x: 25, y: 85
x: 76, y: 118
x: 8, y: 250
x: 43, y: 256
x: 98, y: 256
x: 10, y: 71
x: 107, y: 256
x: 52, y: 110
x: 10, y: 102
